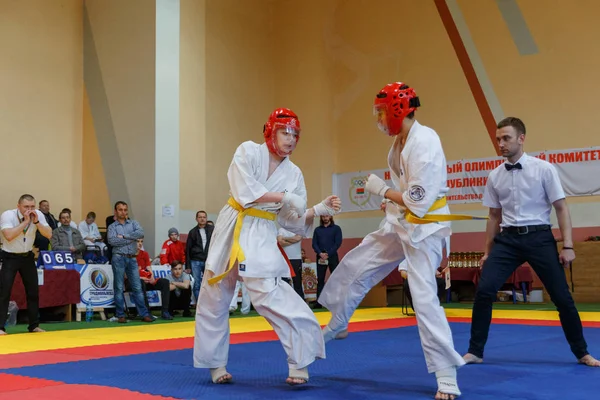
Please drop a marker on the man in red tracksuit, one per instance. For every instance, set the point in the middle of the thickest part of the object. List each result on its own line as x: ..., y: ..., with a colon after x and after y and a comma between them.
x: 172, y: 249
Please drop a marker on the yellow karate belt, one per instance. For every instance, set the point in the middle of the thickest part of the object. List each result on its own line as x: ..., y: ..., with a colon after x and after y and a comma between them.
x: 236, y: 250
x: 434, y: 218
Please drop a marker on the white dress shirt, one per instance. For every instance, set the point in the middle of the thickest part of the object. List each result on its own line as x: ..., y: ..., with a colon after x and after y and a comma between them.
x: 23, y: 243
x: 524, y: 195
x: 293, y: 251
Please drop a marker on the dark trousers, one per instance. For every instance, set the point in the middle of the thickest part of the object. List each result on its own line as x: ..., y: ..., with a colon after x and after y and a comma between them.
x: 510, y: 250
x: 322, y: 271
x: 24, y: 265
x: 297, y: 280
x: 181, y: 302
x: 163, y: 285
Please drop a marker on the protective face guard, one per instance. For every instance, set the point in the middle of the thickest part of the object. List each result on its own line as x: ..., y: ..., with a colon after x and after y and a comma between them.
x: 287, y: 128
x: 291, y: 136
x: 380, y: 112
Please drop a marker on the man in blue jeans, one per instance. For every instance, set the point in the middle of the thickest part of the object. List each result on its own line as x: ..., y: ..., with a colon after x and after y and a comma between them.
x: 196, y: 249
x: 122, y: 236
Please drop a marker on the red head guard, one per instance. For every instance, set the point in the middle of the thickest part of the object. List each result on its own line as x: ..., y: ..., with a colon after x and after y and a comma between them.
x: 392, y: 104
x: 281, y: 118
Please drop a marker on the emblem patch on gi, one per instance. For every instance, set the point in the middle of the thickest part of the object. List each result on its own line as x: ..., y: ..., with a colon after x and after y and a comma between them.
x: 416, y: 193
x: 242, y: 267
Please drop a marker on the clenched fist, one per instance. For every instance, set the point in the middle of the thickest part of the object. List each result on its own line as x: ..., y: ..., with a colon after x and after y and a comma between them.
x: 376, y: 185
x: 329, y: 206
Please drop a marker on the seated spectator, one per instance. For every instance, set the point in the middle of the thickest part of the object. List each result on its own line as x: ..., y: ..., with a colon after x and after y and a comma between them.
x: 42, y: 242
x: 90, y: 233
x: 181, y: 290
x: 172, y: 249
x: 150, y: 283
x: 210, y: 223
x: 65, y: 238
x: 72, y: 223
x: 109, y: 220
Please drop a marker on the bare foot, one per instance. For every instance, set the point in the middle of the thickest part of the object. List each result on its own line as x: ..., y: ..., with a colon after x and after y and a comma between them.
x: 328, y: 334
x: 589, y: 361
x: 224, y: 378
x: 444, y: 396
x: 295, y: 381
x: 297, y: 376
x: 38, y: 329
x: 220, y: 375
x: 342, y: 335
x: 472, y: 359
x: 2, y: 332
x: 446, y: 383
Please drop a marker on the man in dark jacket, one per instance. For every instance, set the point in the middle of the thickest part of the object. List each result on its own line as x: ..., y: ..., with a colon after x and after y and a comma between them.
x: 327, y: 239
x: 41, y: 242
x: 196, y: 249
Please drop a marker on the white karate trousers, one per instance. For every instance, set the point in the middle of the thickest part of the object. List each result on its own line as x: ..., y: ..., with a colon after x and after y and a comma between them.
x: 367, y: 264
x: 291, y: 318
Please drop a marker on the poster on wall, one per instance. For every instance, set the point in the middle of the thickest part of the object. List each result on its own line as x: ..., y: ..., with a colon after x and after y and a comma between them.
x: 577, y: 169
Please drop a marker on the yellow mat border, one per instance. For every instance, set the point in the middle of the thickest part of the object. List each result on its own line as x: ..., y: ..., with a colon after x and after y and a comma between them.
x: 27, y: 342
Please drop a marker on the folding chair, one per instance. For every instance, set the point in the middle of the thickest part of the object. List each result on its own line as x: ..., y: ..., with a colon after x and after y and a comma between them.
x: 405, y: 300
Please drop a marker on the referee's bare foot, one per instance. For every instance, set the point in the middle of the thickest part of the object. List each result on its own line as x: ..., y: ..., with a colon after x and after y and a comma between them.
x: 589, y: 361
x: 473, y: 359
x: 38, y: 329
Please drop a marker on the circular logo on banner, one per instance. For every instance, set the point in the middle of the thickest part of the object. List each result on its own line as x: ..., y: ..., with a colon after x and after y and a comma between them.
x: 99, y: 279
x: 416, y: 193
x: 357, y: 192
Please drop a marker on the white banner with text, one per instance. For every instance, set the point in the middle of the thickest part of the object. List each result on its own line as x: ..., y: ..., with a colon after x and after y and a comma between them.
x: 578, y: 170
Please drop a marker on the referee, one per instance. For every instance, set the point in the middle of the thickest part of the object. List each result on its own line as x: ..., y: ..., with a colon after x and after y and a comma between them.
x: 520, y: 194
x: 18, y: 234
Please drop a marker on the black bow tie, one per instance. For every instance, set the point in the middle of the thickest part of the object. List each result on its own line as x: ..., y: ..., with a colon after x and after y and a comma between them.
x: 513, y: 166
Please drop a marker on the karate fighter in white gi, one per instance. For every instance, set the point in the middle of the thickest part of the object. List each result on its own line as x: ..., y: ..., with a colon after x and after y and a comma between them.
x: 412, y: 231
x: 265, y: 186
